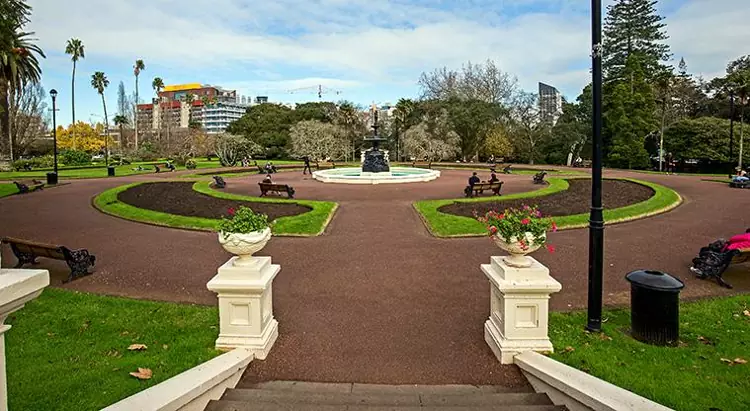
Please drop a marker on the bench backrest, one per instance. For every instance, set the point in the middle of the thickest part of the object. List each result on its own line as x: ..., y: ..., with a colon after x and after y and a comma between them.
x: 488, y: 185
x: 271, y: 186
x: 219, y: 180
x: 35, y: 248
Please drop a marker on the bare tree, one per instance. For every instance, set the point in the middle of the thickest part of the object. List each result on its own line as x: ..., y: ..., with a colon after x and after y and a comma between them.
x: 485, y: 82
x: 432, y: 139
x: 526, y: 125
x: 28, y: 116
x: 231, y: 148
x: 318, y: 140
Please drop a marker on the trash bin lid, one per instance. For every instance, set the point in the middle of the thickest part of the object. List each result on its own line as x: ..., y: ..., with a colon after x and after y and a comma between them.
x: 655, y: 280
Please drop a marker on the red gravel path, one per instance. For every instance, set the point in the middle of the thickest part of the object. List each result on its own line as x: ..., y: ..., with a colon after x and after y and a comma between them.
x: 375, y: 299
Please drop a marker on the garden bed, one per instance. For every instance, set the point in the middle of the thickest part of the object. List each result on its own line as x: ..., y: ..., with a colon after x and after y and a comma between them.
x: 575, y: 200
x: 179, y: 198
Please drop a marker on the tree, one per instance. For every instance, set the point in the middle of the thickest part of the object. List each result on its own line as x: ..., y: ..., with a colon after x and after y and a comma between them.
x: 498, y: 143
x: 472, y: 119
x: 432, y: 139
x: 526, y: 125
x: 704, y: 138
x: 267, y: 125
x: 632, y: 27
x: 19, y: 64
x: 403, y: 118
x: 317, y: 140
x: 81, y: 136
x: 483, y: 82
x: 99, y: 82
x: 158, y: 84
x: 121, y: 121
x: 137, y: 68
x: 75, y: 49
x: 29, y: 117
x: 232, y: 148
x: 571, y: 135
x: 353, y: 126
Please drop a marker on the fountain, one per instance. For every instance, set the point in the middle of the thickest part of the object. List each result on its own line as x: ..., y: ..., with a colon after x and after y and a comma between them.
x: 376, y: 167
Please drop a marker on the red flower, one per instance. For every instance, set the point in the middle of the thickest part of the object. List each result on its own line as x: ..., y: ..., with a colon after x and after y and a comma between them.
x: 231, y: 211
x: 551, y: 248
x: 554, y: 227
x: 525, y: 221
x: 493, y: 229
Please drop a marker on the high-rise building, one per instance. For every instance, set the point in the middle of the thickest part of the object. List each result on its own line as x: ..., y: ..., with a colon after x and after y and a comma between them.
x: 550, y: 103
x: 211, y: 106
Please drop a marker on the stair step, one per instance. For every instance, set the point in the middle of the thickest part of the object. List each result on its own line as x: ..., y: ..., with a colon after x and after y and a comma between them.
x: 230, y: 405
x: 384, y: 399
x: 356, y: 388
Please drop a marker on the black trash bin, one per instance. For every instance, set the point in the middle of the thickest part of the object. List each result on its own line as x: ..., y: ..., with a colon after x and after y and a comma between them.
x: 110, y: 171
x: 51, y: 178
x: 654, y: 307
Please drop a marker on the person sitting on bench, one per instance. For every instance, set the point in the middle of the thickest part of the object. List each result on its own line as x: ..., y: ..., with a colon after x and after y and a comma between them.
x: 169, y: 166
x: 268, y: 180
x: 714, y: 259
x: 507, y: 169
x: 474, y: 179
x: 493, y: 178
x: 741, y: 177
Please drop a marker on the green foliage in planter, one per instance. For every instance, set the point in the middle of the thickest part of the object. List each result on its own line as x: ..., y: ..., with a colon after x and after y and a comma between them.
x: 243, y: 220
x: 515, y: 222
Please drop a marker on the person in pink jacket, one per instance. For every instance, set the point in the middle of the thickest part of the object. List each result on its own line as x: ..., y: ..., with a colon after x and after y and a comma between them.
x: 739, y: 242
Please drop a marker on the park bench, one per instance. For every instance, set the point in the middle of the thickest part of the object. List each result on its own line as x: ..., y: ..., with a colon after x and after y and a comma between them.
x: 219, y: 182
x: 266, y: 188
x: 27, y: 252
x: 507, y: 169
x: 480, y: 188
x: 28, y: 186
x: 737, y: 184
x: 422, y: 164
x: 539, y: 177
x: 325, y: 165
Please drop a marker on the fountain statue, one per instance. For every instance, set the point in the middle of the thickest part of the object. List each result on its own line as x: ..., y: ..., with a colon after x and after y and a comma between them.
x: 375, y: 159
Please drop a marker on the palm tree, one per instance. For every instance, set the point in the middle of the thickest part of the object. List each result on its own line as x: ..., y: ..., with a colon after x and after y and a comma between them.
x: 137, y: 68
x: 120, y: 120
x: 18, y: 66
x: 75, y: 49
x: 157, y: 85
x: 402, y: 115
x: 99, y: 82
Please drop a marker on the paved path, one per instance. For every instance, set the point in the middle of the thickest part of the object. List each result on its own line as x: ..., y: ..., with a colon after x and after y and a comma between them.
x: 375, y: 299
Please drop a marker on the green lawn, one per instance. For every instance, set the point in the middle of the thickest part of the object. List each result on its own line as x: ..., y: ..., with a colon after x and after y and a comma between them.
x: 7, y: 189
x: 680, y: 174
x: 449, y: 225
x: 69, y: 350
x: 692, y: 376
x: 311, y: 223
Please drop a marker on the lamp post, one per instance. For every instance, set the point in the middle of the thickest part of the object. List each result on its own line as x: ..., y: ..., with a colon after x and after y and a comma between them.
x: 52, y: 177
x: 596, y: 218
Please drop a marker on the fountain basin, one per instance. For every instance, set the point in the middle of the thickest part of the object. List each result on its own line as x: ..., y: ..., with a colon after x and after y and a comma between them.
x: 352, y: 175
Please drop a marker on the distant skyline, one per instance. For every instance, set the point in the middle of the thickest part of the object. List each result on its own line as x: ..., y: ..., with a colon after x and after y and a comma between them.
x: 370, y: 51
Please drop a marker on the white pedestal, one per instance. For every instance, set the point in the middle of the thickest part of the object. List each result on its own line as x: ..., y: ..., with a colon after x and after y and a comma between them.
x: 245, y: 306
x: 519, y: 308
x: 17, y: 287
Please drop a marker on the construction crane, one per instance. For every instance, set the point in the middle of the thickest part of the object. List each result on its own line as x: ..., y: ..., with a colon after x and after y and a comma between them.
x: 319, y: 89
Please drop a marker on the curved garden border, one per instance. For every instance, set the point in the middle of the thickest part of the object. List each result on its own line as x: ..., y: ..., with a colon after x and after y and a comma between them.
x: 309, y: 224
x: 448, y: 225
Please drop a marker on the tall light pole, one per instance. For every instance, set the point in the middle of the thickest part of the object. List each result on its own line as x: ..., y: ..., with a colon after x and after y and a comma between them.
x: 731, y: 133
x: 52, y: 177
x: 596, y: 219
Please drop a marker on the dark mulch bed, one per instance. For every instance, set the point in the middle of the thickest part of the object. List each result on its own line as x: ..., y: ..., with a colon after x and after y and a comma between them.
x: 575, y: 200
x: 179, y: 198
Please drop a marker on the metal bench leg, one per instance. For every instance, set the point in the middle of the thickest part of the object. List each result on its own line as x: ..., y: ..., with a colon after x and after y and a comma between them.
x: 79, y: 264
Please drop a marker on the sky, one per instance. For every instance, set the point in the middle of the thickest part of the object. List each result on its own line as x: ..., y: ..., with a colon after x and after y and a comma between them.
x: 363, y: 51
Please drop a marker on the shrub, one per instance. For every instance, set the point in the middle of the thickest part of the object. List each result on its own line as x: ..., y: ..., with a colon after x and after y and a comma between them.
x: 191, y: 164
x: 243, y: 220
x: 36, y: 162
x: 74, y: 157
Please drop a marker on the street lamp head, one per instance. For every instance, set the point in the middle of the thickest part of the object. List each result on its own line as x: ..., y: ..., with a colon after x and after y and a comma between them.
x: 53, y: 93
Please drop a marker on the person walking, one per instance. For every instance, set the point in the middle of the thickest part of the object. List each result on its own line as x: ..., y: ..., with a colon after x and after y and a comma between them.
x: 307, y: 166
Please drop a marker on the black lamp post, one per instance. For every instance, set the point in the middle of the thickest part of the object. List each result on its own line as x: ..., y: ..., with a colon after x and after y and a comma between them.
x: 52, y: 177
x: 596, y: 219
x: 731, y: 133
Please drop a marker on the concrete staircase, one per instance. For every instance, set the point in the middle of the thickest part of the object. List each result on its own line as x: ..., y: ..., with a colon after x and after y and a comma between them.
x: 311, y: 396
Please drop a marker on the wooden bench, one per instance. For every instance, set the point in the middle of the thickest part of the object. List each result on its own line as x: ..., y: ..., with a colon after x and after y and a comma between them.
x: 327, y: 165
x: 480, y: 188
x: 539, y: 177
x: 737, y: 184
x: 219, y: 182
x: 27, y: 252
x: 422, y: 164
x: 266, y: 188
x: 28, y: 186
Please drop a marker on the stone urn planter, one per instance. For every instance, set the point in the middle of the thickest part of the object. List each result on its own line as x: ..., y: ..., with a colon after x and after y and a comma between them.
x: 517, y: 251
x: 244, y: 245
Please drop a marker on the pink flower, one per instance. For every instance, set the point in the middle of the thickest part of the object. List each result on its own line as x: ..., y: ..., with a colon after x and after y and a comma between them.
x: 554, y: 227
x: 527, y: 208
x: 538, y: 214
x: 525, y: 221
x: 231, y: 211
x: 493, y: 230
x: 551, y: 248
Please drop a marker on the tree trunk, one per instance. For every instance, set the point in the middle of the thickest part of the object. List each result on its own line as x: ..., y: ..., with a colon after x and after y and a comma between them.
x: 106, y: 133
x: 135, y: 108
x: 5, y: 116
x: 73, y: 99
x: 661, y: 133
